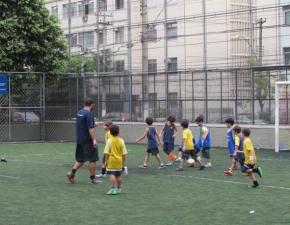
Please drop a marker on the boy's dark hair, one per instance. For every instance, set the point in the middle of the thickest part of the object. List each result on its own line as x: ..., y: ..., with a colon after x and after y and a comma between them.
x: 237, y: 128
x: 199, y: 119
x: 171, y: 118
x: 230, y: 121
x: 114, y: 130
x: 89, y: 102
x: 184, y: 123
x: 246, y: 132
x: 149, y: 120
x: 108, y: 123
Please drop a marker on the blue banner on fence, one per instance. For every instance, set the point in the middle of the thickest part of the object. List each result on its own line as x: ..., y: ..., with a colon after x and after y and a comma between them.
x: 3, y: 84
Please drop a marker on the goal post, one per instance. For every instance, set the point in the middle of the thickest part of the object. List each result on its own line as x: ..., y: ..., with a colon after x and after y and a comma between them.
x: 278, y: 144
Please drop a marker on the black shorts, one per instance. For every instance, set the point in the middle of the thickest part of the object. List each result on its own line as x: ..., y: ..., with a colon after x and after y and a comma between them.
x: 153, y: 151
x: 187, y: 153
x: 116, y: 173
x: 86, y: 152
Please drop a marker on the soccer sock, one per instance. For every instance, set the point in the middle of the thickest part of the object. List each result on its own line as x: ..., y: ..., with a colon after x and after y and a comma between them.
x: 144, y: 164
x: 92, y: 177
x: 73, y: 171
x: 255, y: 170
x: 256, y: 183
x: 103, y: 171
x: 113, y: 188
x: 119, y: 187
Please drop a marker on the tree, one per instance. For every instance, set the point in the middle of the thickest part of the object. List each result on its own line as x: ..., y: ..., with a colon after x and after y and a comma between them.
x: 31, y: 39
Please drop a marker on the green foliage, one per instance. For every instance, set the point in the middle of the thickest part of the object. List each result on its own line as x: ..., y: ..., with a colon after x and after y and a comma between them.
x: 31, y: 39
x: 158, y: 112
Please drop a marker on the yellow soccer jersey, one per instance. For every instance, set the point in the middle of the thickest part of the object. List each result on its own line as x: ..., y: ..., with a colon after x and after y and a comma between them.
x: 237, y: 140
x: 187, y: 135
x: 248, y: 146
x: 116, y: 148
x: 108, y: 135
x: 203, y: 130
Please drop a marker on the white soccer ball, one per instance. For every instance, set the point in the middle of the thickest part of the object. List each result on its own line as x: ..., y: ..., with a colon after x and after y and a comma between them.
x: 190, y: 162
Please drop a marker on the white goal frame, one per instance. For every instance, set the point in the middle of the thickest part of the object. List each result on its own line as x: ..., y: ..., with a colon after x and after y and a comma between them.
x: 277, y: 84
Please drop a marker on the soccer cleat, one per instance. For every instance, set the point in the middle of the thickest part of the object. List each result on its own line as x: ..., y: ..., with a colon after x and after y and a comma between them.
x: 260, y: 172
x: 208, y: 165
x: 3, y: 159
x: 179, y: 169
x: 254, y: 186
x: 118, y: 191
x: 228, y: 172
x: 95, y: 181
x: 70, y: 177
x: 112, y: 192
x: 143, y: 166
x: 201, y: 167
x: 100, y: 176
x: 169, y: 163
x: 161, y: 166
x: 126, y: 171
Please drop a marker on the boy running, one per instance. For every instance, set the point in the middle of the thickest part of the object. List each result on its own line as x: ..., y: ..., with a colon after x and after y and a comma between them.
x: 231, y: 140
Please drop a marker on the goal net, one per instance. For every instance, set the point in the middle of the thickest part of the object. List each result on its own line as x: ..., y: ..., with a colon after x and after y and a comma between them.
x: 282, y: 116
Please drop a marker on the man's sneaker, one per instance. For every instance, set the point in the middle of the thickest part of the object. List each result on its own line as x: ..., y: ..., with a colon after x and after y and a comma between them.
x: 95, y: 181
x: 208, y: 165
x: 161, y: 166
x: 260, y: 172
x: 246, y: 174
x: 126, y: 171
x: 3, y: 159
x: 112, y: 192
x: 254, y: 186
x: 201, y: 167
x: 178, y: 160
x: 179, y: 169
x: 100, y: 176
x: 228, y: 172
x: 118, y: 191
x: 143, y: 166
x: 70, y: 177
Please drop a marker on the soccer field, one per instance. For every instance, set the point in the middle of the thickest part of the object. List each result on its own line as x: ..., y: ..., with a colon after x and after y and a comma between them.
x: 35, y: 190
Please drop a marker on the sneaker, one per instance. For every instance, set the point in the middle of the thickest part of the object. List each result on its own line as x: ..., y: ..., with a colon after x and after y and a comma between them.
x: 260, y: 172
x: 3, y: 160
x: 246, y: 174
x: 207, y: 165
x: 70, y: 177
x: 254, y: 186
x: 178, y: 160
x: 228, y: 172
x: 169, y: 163
x: 118, y: 191
x: 161, y: 166
x: 179, y: 169
x: 101, y: 176
x: 95, y: 181
x: 126, y: 171
x: 112, y: 192
x: 143, y: 166
x: 201, y: 167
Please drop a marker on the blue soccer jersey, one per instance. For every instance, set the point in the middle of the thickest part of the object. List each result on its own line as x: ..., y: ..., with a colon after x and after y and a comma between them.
x: 231, y: 142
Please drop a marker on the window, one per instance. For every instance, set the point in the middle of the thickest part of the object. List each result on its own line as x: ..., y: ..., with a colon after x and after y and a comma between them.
x: 171, y: 64
x: 287, y: 56
x: 287, y: 17
x: 103, y: 5
x: 172, y: 100
x: 119, y: 4
x: 119, y: 66
x: 171, y: 30
x: 152, y: 65
x: 101, y: 38
x: 152, y: 32
x: 54, y: 10
x: 86, y: 38
x: 119, y: 34
x: 73, y: 10
x: 86, y: 7
x: 73, y: 39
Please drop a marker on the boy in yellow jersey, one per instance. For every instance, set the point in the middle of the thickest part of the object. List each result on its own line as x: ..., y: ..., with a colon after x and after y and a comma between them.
x: 115, y: 152
x: 106, y: 127
x: 250, y: 159
x: 187, y: 149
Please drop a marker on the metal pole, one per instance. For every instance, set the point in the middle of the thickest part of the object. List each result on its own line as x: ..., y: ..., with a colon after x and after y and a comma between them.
x: 260, y: 22
x: 205, y: 59
x: 129, y: 57
x: 251, y: 63
x: 98, y: 59
x: 236, y: 103
x: 221, y: 85
x: 166, y: 57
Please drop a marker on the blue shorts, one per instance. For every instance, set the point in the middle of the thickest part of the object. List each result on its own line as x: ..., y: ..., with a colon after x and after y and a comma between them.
x: 116, y: 173
x: 168, y: 146
x: 240, y: 160
x: 180, y: 149
x: 153, y: 151
x: 246, y: 167
x: 187, y: 153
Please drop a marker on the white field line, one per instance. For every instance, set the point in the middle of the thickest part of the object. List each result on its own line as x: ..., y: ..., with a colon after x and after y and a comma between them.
x: 9, y: 177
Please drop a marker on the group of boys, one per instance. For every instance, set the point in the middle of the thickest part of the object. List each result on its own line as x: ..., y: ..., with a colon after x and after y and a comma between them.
x: 240, y: 148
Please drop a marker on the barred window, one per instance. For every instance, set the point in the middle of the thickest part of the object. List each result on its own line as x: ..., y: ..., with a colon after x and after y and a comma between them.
x: 171, y: 64
x: 172, y: 30
x: 86, y: 38
x: 152, y: 65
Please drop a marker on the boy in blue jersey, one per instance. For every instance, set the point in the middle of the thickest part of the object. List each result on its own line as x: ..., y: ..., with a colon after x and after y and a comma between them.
x: 152, y: 148
x: 231, y: 139
x: 86, y: 148
x: 238, y: 155
x: 203, y: 144
x: 168, y: 138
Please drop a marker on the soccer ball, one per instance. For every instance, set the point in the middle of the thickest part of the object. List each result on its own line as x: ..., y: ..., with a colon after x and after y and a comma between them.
x: 190, y: 162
